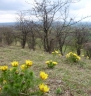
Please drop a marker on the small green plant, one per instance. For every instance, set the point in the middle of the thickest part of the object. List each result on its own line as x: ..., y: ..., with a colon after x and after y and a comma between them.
x: 21, y: 81
x: 51, y: 64
x: 72, y: 57
x: 55, y: 53
x: 59, y: 91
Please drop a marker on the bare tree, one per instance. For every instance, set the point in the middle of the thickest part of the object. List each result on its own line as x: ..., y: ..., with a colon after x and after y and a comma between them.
x: 46, y: 11
x: 87, y: 49
x: 62, y: 34
x: 31, y: 40
x: 63, y: 27
x: 23, y: 26
x: 81, y: 36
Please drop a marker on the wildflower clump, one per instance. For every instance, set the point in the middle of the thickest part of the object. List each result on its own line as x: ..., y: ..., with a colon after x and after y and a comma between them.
x: 29, y: 63
x: 14, y: 63
x: 23, y: 67
x: 18, y: 79
x: 43, y: 75
x: 4, y: 68
x: 51, y: 64
x: 72, y: 57
x: 55, y: 53
x: 44, y: 88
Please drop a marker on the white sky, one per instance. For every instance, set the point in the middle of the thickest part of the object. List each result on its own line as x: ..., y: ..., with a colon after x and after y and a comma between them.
x: 9, y: 8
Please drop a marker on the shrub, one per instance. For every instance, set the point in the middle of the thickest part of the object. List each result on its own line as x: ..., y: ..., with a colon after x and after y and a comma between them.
x: 21, y: 81
x: 72, y: 57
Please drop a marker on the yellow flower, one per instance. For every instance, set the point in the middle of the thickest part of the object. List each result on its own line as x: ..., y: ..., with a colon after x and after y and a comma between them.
x: 47, y: 62
x: 4, y: 81
x: 14, y: 63
x: 68, y: 55
x: 60, y: 55
x: 43, y: 75
x: 11, y: 69
x: 55, y: 63
x: 82, y: 55
x: 29, y: 63
x: 44, y: 88
x: 87, y: 57
x: 23, y: 67
x: 78, y: 57
x: 56, y: 52
x: 4, y: 68
x: 52, y: 52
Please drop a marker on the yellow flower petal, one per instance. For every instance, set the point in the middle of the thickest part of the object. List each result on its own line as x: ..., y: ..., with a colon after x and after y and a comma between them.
x: 43, y: 75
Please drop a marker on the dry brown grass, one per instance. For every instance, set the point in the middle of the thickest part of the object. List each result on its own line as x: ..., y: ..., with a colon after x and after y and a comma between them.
x: 70, y: 79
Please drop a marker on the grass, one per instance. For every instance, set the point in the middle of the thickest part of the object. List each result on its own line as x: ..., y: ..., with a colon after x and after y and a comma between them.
x: 64, y: 80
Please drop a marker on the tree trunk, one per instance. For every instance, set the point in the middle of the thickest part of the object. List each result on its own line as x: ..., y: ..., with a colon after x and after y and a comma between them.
x: 78, y: 51
x: 46, y: 44
x: 61, y: 50
x: 33, y: 42
x: 60, y: 47
x: 23, y: 41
